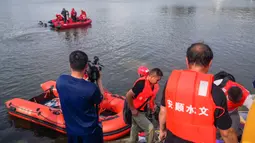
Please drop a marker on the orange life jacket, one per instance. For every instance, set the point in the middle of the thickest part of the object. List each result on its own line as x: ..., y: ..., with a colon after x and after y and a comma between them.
x: 144, y: 96
x: 73, y: 12
x: 226, y: 86
x: 83, y: 15
x: 152, y: 101
x: 190, y: 107
x: 59, y: 17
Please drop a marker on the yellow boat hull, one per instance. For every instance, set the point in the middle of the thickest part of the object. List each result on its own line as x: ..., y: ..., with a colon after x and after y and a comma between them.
x: 249, y: 128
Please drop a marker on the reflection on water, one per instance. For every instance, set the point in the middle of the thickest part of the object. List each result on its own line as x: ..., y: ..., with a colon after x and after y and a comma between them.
x: 179, y: 11
x: 38, y: 131
x: 218, y: 4
x: 75, y: 33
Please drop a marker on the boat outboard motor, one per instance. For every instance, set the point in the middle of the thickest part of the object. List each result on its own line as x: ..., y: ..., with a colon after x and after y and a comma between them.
x: 52, y: 26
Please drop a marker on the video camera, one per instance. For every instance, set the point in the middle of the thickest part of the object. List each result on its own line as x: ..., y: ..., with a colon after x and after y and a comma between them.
x: 94, y: 68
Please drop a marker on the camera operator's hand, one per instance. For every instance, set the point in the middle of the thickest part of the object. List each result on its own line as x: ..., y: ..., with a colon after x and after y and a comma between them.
x: 100, y: 83
x: 100, y: 75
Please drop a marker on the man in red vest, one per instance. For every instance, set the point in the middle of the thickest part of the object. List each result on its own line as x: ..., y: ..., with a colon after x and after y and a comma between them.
x: 142, y: 72
x: 192, y: 106
x: 237, y: 96
x: 83, y: 16
x: 74, y: 15
x: 138, y: 97
x: 59, y: 17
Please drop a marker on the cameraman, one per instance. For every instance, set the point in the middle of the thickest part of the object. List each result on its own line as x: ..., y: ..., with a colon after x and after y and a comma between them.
x: 78, y: 98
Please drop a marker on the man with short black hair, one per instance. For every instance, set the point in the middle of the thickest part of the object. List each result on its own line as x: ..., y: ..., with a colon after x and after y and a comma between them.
x: 137, y: 98
x: 237, y: 95
x: 192, y: 106
x: 143, y: 71
x: 79, y: 99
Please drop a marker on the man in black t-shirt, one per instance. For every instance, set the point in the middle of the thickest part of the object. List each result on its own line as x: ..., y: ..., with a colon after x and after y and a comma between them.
x: 138, y: 97
x: 223, y: 122
x: 199, y: 59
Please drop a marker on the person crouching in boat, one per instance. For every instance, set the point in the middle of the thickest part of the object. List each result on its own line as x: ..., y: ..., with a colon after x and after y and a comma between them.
x: 77, y: 98
x: 192, y: 106
x: 74, y: 15
x: 138, y: 97
x: 142, y: 72
x: 236, y: 94
x: 83, y: 16
x: 59, y: 17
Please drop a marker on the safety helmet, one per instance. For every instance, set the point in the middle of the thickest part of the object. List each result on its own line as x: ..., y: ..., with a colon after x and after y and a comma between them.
x: 143, y: 71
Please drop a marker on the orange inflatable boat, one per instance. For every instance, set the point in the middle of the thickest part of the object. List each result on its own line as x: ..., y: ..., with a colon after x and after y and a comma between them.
x: 45, y: 110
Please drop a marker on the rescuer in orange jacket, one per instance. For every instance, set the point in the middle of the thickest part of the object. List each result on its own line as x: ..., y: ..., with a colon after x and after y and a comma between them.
x: 144, y: 71
x: 192, y: 106
x: 83, y: 16
x: 138, y: 97
x: 59, y: 17
x: 237, y: 96
x: 74, y: 15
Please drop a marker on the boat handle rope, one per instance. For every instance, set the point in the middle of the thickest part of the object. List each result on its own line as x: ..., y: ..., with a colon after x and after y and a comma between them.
x: 49, y: 119
x: 38, y: 112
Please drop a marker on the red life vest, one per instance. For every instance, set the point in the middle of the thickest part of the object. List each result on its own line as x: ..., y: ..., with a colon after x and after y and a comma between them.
x: 190, y: 107
x: 59, y: 17
x: 142, y: 98
x: 73, y: 12
x: 152, y: 101
x: 83, y: 15
x: 232, y: 106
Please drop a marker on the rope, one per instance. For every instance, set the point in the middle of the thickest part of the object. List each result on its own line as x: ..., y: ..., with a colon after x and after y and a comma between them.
x: 38, y: 113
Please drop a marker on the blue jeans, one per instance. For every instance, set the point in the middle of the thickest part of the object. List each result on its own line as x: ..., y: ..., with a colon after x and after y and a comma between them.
x: 95, y: 137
